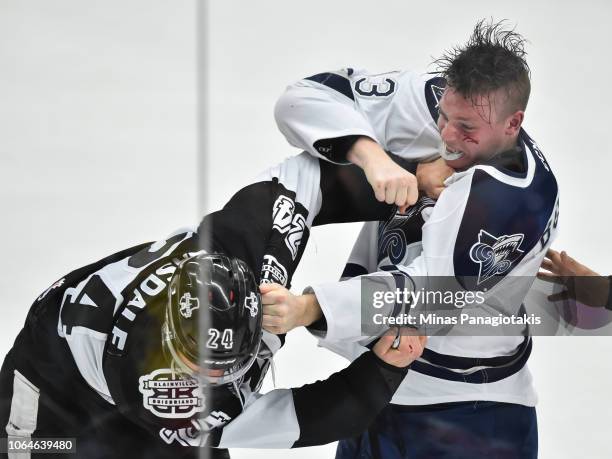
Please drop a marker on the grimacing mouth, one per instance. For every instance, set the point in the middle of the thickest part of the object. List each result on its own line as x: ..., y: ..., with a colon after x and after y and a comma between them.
x: 449, y: 154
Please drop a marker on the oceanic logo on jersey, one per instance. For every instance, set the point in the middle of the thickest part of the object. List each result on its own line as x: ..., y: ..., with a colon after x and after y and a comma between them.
x: 286, y: 220
x: 496, y: 255
x: 167, y: 394
x: 272, y: 271
x: 250, y: 303
x: 187, y: 305
x: 400, y: 230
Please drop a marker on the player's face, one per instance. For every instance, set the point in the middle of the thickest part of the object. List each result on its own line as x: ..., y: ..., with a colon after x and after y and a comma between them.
x: 197, y: 369
x: 475, y: 130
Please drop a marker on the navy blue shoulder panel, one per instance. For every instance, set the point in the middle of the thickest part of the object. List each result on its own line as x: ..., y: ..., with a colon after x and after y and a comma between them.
x: 501, y: 223
x: 353, y: 270
x: 334, y: 81
x: 434, y: 88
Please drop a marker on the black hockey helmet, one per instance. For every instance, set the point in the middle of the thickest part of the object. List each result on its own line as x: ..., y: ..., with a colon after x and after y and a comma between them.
x: 225, y: 290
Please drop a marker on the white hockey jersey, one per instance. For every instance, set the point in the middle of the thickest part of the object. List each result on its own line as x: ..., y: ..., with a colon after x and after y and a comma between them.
x: 512, y: 198
x: 397, y: 109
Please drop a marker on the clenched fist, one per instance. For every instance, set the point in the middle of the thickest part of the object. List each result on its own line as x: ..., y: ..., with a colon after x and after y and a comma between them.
x: 283, y: 311
x: 391, y: 183
x: 399, y: 349
x: 431, y: 177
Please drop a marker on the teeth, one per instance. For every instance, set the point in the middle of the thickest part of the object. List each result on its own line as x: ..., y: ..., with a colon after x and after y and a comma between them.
x: 447, y: 154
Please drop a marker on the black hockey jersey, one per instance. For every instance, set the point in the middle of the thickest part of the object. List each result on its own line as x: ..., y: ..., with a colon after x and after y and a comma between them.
x: 92, y: 341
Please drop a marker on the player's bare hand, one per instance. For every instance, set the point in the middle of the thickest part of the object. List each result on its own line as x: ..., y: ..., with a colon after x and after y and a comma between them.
x: 557, y: 264
x: 581, y: 283
x: 399, y: 348
x: 391, y: 183
x: 431, y: 177
x: 283, y: 311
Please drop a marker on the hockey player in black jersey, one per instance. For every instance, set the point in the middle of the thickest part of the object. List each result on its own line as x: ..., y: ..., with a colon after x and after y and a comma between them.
x: 108, y: 353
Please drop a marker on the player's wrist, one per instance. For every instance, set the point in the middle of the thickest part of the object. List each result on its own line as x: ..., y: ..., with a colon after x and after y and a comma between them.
x: 364, y: 152
x: 390, y: 366
x: 311, y: 310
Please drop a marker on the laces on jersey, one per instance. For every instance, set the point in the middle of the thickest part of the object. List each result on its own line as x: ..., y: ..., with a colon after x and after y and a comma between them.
x: 273, y: 369
x: 238, y: 393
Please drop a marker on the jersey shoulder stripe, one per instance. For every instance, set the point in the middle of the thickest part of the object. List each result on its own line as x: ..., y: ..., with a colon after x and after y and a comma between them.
x: 334, y: 81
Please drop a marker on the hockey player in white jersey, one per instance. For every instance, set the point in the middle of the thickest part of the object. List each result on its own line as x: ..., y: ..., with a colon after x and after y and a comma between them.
x: 495, y: 220
x: 109, y: 353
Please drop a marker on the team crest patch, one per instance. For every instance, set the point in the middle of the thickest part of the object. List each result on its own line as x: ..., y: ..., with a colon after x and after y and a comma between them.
x: 282, y: 214
x: 400, y: 230
x: 495, y: 255
x: 167, y: 394
x: 187, y: 305
x: 250, y: 303
x: 272, y: 271
x: 287, y: 221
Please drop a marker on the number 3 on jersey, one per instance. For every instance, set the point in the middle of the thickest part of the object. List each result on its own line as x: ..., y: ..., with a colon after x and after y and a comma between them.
x: 375, y: 86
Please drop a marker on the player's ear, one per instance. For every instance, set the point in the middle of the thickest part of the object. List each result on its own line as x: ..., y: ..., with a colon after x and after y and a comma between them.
x: 514, y: 122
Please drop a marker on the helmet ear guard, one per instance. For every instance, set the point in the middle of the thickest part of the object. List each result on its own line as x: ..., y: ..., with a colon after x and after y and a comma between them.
x: 221, y: 294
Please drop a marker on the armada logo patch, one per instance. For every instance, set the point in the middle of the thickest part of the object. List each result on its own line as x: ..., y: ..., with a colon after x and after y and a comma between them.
x: 282, y: 214
x: 295, y: 234
x: 286, y: 220
x: 273, y: 272
x: 496, y: 255
x: 168, y: 395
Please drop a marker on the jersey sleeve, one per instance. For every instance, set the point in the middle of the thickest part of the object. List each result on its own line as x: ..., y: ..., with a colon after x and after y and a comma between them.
x: 342, y: 303
x: 362, y: 259
x: 324, y: 114
x: 341, y: 406
x: 319, y: 114
x: 484, y: 227
x: 177, y: 409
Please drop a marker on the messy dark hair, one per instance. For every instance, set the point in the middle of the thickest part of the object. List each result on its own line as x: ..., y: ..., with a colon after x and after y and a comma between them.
x: 493, y: 58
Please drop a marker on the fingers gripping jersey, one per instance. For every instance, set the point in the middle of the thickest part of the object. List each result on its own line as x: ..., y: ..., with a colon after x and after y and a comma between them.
x: 325, y: 113
x: 102, y: 324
